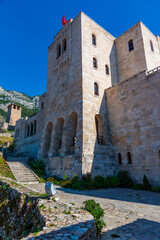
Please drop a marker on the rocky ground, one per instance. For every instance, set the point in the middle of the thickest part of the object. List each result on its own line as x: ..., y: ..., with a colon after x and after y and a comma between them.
x: 62, y: 221
x: 129, y: 214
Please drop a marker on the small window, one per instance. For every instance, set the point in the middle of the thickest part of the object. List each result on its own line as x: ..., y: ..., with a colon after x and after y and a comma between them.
x: 64, y: 45
x: 130, y: 45
x: 18, y: 107
x: 151, y: 44
x: 28, y: 130
x: 159, y: 154
x: 96, y: 89
x: 14, y: 107
x: 42, y: 105
x: 58, y: 51
x: 93, y: 39
x: 119, y: 159
x: 35, y: 126
x: 31, y: 128
x: 95, y: 65
x: 107, y: 69
x: 129, y: 158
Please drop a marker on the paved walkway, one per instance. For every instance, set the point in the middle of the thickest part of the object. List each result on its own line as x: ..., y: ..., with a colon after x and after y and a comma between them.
x: 129, y: 214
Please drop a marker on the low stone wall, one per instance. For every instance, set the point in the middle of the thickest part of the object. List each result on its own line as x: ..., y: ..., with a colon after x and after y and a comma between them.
x: 64, y: 165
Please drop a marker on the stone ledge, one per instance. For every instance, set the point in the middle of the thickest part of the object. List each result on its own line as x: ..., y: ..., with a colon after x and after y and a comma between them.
x: 64, y: 222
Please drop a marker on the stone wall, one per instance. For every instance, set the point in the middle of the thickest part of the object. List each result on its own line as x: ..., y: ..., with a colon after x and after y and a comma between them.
x: 133, y: 62
x: 96, y: 157
x: 63, y: 99
x: 152, y: 57
x: 27, y: 140
x: 134, y: 110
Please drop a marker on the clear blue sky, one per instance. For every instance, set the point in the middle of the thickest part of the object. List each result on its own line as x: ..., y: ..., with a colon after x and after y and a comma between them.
x: 27, y: 28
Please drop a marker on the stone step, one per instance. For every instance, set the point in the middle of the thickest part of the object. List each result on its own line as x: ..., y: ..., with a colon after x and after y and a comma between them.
x: 25, y: 177
x: 22, y: 172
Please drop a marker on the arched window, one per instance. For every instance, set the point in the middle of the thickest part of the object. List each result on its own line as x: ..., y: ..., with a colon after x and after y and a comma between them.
x: 47, y: 139
x: 119, y: 159
x: 107, y: 69
x: 95, y: 65
x: 35, y: 126
x: 96, y: 89
x: 28, y: 130
x: 93, y: 39
x: 58, y: 136
x: 151, y: 44
x: 130, y: 45
x: 100, y: 130
x: 129, y: 158
x: 31, y: 128
x: 64, y: 46
x: 58, y: 50
x: 71, y: 133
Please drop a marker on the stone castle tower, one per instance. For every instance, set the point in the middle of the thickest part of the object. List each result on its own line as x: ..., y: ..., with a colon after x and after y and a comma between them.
x: 13, y: 114
x: 87, y: 117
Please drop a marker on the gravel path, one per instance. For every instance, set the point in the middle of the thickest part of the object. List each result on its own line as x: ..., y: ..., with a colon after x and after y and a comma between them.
x: 129, y: 214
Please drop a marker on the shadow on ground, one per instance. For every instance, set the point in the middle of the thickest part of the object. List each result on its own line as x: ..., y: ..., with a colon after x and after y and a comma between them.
x: 140, y: 229
x: 121, y: 194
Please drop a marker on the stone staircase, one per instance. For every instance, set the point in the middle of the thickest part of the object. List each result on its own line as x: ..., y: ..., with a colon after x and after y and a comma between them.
x: 21, y: 171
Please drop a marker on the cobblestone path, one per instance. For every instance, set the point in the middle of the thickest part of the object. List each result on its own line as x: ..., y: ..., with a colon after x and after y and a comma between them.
x: 129, y: 214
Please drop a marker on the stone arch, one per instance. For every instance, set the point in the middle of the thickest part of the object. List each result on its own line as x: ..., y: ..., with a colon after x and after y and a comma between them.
x: 47, y: 139
x: 58, y: 136
x: 100, y: 130
x: 71, y: 133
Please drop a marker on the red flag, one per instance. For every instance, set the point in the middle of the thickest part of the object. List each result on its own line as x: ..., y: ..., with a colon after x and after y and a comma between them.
x: 63, y: 21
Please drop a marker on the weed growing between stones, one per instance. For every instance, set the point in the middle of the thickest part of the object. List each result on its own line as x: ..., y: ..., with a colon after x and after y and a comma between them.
x: 97, y: 212
x: 66, y: 212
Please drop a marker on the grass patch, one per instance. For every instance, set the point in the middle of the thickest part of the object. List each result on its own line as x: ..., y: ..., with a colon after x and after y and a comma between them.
x: 5, y: 170
x: 5, y: 139
x: 42, y: 195
x: 97, y: 212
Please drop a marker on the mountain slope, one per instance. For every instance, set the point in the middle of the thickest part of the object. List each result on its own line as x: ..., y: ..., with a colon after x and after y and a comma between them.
x: 29, y: 104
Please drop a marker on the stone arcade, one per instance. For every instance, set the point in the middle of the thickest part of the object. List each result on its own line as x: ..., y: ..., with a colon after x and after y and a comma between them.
x: 101, y: 111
